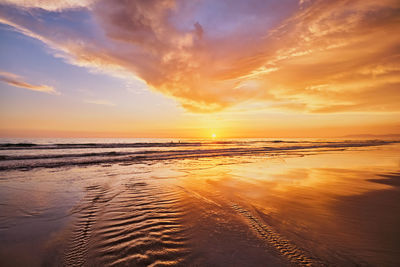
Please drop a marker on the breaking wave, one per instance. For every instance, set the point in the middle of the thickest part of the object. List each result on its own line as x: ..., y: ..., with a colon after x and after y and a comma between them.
x: 31, y: 155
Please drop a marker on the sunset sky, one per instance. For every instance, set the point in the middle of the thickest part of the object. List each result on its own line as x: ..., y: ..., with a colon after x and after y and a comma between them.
x: 177, y: 68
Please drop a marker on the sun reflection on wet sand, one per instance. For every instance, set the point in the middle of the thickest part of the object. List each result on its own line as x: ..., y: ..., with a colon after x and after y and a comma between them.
x: 338, y: 207
x: 324, y: 208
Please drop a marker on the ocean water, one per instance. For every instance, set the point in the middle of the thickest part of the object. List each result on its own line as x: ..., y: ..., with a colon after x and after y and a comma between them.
x: 49, y: 153
x: 171, y: 202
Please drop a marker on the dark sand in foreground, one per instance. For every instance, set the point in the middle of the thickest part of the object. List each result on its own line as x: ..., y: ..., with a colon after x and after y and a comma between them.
x: 327, y: 208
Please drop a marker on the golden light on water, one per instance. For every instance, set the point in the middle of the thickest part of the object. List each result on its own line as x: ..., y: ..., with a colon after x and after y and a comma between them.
x: 226, y: 133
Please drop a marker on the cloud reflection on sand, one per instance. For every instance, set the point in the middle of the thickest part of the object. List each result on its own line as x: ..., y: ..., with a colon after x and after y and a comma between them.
x: 322, y: 208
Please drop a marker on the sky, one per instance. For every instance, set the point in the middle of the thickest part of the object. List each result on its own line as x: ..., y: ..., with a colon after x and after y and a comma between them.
x: 176, y: 68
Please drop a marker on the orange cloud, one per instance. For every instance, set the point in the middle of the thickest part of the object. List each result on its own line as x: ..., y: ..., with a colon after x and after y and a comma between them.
x: 17, y: 81
x: 317, y: 56
x: 53, y: 5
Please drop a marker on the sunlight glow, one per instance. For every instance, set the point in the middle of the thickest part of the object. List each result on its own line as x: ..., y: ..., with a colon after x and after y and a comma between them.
x: 180, y: 69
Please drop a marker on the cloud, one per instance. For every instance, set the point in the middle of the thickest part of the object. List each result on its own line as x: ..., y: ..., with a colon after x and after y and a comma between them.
x: 17, y: 81
x: 102, y: 102
x: 52, y: 5
x: 309, y: 56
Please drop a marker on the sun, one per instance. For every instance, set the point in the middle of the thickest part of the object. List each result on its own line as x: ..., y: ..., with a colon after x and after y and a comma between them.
x: 213, y: 135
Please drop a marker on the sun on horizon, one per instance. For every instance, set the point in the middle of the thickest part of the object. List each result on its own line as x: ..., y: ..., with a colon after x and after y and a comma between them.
x: 199, y: 133
x: 248, y: 69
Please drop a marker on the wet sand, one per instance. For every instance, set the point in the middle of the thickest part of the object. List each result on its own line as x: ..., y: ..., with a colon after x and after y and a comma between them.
x: 326, y: 208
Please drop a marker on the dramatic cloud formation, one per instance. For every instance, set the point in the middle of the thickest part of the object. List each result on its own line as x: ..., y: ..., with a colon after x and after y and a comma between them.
x: 17, y: 81
x: 311, y: 56
x: 49, y: 4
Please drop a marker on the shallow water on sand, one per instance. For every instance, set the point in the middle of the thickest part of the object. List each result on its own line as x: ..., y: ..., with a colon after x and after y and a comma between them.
x: 314, y: 207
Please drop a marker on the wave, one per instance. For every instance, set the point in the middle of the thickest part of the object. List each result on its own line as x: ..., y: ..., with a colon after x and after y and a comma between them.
x: 34, y: 146
x: 24, y: 161
x: 30, y: 146
x: 25, y: 146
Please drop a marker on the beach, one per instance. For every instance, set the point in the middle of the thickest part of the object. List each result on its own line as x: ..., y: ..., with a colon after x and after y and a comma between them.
x: 199, y: 133
x: 239, y: 202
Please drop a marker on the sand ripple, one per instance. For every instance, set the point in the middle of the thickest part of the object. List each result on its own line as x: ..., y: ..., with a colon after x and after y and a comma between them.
x: 284, y: 247
x: 139, y: 225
